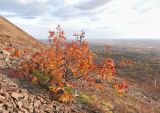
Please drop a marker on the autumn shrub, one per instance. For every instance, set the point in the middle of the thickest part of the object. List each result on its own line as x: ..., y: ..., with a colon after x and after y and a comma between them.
x: 64, y: 62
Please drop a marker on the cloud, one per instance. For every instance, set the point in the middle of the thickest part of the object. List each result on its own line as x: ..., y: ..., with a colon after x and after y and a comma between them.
x: 66, y: 13
x: 92, y: 4
x: 147, y: 5
x: 65, y: 9
x: 8, y: 14
x: 72, y: 12
x: 99, y: 18
x: 24, y: 8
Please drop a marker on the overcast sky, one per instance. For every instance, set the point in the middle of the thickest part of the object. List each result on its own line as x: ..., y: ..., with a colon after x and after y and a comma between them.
x: 99, y: 18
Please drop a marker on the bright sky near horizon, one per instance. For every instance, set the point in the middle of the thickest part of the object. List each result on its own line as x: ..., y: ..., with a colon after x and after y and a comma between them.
x: 99, y: 18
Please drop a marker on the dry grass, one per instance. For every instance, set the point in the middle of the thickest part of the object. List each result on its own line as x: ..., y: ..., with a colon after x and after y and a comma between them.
x: 11, y: 35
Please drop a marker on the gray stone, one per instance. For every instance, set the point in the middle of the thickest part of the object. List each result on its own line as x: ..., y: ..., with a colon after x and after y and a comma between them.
x: 9, y: 104
x: 30, y: 108
x: 2, y: 98
x: 16, y: 95
x: 37, y: 103
x: 24, y: 111
x: 25, y: 96
x: 7, y: 59
x: 20, y: 104
x: 59, y: 109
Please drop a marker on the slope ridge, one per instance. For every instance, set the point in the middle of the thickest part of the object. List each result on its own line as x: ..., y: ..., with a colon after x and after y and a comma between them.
x: 11, y: 35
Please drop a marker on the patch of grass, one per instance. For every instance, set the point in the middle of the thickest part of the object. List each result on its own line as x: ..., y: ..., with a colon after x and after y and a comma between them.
x: 107, y: 106
x: 95, y: 103
x: 85, y: 98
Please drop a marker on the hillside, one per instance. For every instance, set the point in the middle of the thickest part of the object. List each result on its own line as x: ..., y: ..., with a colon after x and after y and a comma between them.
x: 26, y: 85
x: 17, y: 94
x: 11, y: 35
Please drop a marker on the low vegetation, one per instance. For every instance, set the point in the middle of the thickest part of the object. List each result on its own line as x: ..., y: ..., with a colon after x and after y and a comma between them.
x: 58, y: 67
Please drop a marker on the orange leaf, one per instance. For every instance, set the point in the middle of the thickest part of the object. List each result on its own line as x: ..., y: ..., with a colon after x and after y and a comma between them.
x: 16, y: 53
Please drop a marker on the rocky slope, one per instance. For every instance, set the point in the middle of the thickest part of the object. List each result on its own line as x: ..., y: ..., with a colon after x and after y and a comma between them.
x: 15, y: 99
x: 18, y: 95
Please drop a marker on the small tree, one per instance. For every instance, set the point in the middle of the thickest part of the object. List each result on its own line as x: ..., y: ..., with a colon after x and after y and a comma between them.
x: 64, y: 62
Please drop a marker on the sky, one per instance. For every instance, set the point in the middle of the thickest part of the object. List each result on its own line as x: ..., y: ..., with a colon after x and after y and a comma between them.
x: 100, y: 19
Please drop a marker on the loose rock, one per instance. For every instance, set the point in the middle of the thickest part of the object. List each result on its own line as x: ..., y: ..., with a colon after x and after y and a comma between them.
x: 16, y: 95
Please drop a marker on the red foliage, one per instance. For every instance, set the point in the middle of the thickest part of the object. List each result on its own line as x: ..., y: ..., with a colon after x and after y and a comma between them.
x: 124, y: 62
x: 121, y: 87
x: 7, y: 48
x: 66, y: 61
x: 15, y: 73
x: 16, y: 53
